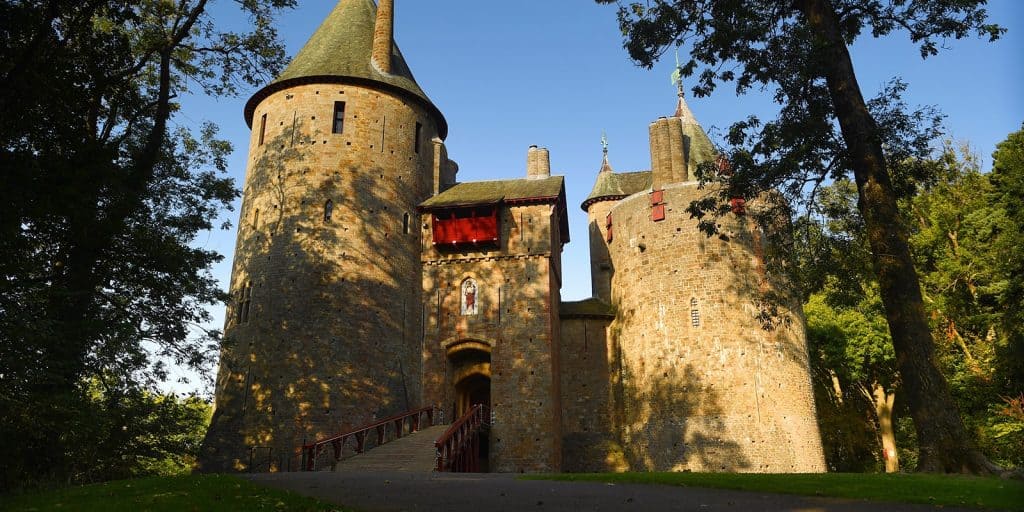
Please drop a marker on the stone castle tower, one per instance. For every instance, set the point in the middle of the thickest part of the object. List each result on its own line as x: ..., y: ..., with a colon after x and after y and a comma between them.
x: 325, y: 326
x: 368, y: 281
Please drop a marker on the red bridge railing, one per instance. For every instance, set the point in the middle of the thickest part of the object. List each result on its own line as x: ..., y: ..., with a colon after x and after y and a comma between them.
x: 458, y: 448
x: 397, y: 423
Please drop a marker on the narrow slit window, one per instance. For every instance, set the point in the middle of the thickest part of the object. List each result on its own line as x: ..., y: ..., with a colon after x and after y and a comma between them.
x: 328, y: 210
x: 694, y: 313
x: 417, y: 136
x: 405, y: 223
x: 256, y: 219
x: 263, y: 128
x: 339, y: 117
x: 243, y: 313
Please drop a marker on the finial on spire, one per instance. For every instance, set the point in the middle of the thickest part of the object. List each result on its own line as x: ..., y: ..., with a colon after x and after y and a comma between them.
x: 682, y: 110
x: 605, y: 166
x: 677, y: 75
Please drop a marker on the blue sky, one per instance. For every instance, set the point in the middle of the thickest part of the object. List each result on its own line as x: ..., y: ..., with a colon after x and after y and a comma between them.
x: 553, y: 73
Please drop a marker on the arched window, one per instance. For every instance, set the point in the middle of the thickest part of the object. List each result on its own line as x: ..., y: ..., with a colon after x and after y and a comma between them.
x: 328, y: 210
x: 469, y: 297
x: 405, y: 223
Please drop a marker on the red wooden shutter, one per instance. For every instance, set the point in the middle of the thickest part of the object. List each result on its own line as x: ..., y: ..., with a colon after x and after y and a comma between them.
x: 657, y: 205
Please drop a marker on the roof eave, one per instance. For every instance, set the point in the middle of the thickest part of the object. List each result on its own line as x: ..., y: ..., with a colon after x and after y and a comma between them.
x: 262, y: 94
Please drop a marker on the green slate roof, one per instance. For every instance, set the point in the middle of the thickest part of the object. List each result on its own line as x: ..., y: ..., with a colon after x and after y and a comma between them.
x: 492, y: 192
x: 616, y: 185
x: 339, y: 52
x: 589, y: 308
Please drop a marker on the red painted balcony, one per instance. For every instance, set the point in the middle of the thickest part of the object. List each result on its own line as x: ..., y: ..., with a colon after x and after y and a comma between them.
x: 466, y: 226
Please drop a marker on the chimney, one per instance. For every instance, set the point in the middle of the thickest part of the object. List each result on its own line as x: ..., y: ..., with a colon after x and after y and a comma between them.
x: 668, y: 152
x: 538, y: 163
x: 383, y: 32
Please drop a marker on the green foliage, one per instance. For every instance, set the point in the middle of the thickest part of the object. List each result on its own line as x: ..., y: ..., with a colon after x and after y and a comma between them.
x: 1008, y: 189
x: 168, y: 494
x: 116, y: 429
x: 935, y: 490
x: 955, y: 219
x: 850, y: 353
x: 102, y: 198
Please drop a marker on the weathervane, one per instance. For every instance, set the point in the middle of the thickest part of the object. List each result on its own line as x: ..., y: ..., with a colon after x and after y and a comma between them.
x: 677, y: 75
x: 604, y: 142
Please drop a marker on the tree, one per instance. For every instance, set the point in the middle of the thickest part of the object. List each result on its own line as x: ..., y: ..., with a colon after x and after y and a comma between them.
x: 852, y: 354
x: 103, y: 197
x: 1007, y: 190
x: 801, y: 49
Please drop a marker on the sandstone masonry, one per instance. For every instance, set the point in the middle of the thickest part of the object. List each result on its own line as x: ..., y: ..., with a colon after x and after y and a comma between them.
x: 368, y: 281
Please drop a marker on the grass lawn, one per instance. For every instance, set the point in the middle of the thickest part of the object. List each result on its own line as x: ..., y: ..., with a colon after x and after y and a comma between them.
x: 948, y: 490
x: 171, y: 494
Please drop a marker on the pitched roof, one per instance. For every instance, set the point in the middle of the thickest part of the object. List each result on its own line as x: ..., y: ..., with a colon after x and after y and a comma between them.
x: 588, y: 308
x: 492, y: 192
x: 616, y: 185
x: 339, y: 52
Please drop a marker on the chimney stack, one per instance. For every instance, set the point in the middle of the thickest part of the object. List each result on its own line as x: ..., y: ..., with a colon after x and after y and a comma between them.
x: 383, y: 33
x: 538, y: 163
x: 668, y: 152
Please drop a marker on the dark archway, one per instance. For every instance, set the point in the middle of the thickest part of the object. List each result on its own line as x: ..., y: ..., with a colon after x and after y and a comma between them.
x: 470, y: 372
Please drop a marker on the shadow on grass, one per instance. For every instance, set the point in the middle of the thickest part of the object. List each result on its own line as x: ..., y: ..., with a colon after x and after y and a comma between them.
x: 938, y: 490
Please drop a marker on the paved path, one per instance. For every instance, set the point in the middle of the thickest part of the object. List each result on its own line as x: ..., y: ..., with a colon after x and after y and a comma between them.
x: 413, y: 452
x: 465, y: 492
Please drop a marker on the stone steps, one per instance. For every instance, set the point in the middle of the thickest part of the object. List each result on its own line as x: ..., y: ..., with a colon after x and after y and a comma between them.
x: 414, y: 452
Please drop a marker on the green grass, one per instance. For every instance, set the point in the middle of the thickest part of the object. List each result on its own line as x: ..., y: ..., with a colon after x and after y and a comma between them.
x: 947, y: 490
x: 172, y: 494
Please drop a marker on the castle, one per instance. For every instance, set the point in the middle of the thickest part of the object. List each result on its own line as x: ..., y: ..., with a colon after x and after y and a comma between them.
x: 368, y: 280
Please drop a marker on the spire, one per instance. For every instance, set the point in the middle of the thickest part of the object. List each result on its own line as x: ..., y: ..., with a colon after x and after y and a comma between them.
x: 682, y: 109
x: 605, y: 166
x: 383, y: 34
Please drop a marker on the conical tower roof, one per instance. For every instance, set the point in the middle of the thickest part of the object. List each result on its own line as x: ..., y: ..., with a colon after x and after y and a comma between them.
x: 339, y: 52
x: 700, y: 148
x: 612, y: 186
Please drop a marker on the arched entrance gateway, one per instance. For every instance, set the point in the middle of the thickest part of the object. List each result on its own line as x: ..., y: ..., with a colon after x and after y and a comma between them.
x: 469, y: 364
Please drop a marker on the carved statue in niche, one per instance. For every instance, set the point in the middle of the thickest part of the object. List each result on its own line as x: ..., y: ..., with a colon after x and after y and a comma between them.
x: 469, y: 297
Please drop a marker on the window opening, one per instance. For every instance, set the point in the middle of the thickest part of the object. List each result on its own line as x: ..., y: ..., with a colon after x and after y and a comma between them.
x: 339, y: 117
x: 256, y: 219
x: 405, y: 223
x: 245, y: 304
x: 263, y: 128
x: 328, y: 210
x: 416, y: 140
x: 694, y: 313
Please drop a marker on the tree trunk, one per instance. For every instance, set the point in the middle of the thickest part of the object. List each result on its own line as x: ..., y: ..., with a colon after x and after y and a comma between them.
x: 883, y: 411
x: 942, y: 439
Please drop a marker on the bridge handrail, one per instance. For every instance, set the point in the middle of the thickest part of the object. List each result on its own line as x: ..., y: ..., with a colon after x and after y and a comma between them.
x: 310, y: 451
x: 457, y: 448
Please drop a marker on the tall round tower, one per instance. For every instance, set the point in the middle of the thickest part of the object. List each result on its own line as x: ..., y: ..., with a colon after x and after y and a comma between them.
x: 324, y: 329
x: 708, y: 355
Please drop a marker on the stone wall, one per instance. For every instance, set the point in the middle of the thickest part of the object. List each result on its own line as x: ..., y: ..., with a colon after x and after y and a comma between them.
x: 589, y: 374
x: 514, y: 329
x: 710, y: 380
x: 324, y: 330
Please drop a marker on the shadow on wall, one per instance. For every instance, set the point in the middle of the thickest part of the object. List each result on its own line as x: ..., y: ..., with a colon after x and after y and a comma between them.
x: 684, y: 412
x: 318, y: 336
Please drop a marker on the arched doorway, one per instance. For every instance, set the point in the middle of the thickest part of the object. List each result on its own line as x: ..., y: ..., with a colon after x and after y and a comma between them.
x: 469, y: 364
